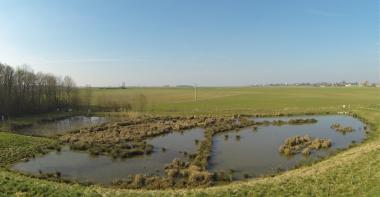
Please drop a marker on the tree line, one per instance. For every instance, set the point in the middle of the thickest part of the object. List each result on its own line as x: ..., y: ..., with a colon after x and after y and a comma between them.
x: 22, y: 91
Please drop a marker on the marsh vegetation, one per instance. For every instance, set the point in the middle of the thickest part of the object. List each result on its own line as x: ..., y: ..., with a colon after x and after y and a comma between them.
x: 341, y: 129
x: 304, y: 144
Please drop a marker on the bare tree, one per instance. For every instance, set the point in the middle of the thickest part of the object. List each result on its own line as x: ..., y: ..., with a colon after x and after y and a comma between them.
x: 22, y: 91
x: 69, y: 89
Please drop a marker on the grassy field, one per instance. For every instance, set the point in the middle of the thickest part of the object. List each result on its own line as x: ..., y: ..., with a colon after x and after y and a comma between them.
x: 354, y: 172
x: 241, y: 100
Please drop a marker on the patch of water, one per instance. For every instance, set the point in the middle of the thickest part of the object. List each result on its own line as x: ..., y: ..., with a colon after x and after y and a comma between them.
x: 256, y: 152
x: 83, y: 167
x: 60, y: 126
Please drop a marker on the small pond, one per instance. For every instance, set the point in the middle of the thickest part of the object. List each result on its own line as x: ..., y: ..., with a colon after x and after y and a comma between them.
x: 83, y: 167
x: 60, y: 126
x: 256, y: 152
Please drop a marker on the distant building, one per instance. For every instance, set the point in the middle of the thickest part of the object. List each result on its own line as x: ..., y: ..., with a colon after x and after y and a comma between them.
x: 364, y: 84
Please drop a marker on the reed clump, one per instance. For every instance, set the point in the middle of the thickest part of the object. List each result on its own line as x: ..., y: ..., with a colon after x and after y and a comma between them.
x: 341, y: 129
x: 118, y: 150
x: 298, y: 121
x: 303, y: 144
x: 302, y: 121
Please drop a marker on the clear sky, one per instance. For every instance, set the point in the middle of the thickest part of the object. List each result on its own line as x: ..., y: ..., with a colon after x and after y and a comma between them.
x: 207, y: 42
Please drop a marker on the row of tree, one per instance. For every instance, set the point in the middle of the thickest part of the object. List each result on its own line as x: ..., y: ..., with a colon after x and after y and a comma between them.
x: 22, y: 91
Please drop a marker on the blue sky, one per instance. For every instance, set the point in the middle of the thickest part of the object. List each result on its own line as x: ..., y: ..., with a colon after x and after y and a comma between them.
x: 207, y: 42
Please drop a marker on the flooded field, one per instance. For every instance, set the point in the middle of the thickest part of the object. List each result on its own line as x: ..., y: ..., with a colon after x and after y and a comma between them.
x: 60, y: 126
x: 258, y: 151
x: 81, y: 166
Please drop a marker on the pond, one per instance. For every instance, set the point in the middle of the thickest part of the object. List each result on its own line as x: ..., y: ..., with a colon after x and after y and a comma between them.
x: 60, y: 126
x: 83, y: 167
x: 256, y: 153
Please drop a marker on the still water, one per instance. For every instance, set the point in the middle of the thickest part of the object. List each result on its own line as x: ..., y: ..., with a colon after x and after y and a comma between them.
x: 60, y: 126
x: 83, y: 167
x: 256, y: 152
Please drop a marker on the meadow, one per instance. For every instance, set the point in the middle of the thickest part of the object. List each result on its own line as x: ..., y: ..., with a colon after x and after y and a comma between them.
x: 240, y: 100
x: 353, y: 172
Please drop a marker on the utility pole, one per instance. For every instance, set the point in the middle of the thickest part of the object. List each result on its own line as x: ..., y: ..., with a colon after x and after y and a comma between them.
x: 195, y: 93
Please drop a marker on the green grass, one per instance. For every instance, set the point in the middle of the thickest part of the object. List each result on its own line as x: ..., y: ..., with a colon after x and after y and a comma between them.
x: 242, y: 100
x: 16, y: 147
x: 354, y: 172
